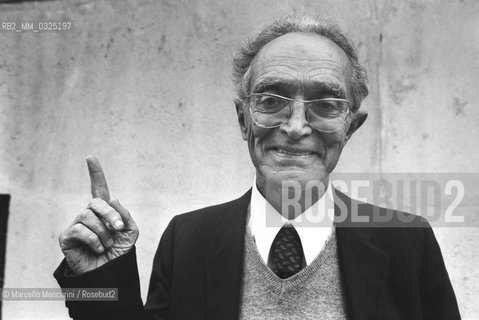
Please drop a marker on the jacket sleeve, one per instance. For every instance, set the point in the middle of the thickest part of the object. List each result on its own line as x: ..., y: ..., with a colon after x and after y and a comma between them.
x: 158, y: 303
x: 438, y: 298
x: 122, y: 273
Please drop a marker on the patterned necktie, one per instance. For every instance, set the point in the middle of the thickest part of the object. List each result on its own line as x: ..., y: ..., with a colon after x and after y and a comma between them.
x: 286, y: 256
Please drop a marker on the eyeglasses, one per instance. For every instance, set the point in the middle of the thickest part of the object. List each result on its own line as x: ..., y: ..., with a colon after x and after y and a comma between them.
x: 270, y: 110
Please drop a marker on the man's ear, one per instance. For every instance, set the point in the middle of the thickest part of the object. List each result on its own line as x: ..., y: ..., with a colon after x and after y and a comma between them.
x: 358, y: 119
x: 240, y: 112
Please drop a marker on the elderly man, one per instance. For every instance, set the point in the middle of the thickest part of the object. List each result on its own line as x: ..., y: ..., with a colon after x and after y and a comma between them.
x: 300, y: 87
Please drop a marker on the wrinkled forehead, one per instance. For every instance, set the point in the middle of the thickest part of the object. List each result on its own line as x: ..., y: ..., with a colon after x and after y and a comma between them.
x: 301, y: 58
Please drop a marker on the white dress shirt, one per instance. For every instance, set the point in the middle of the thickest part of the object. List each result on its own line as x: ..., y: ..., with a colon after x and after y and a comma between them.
x: 314, y: 225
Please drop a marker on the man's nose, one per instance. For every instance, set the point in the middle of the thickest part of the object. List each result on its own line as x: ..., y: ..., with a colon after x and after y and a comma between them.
x: 297, y: 125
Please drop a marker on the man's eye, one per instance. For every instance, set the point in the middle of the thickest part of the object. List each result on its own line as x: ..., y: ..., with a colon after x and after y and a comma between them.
x: 326, y: 109
x: 331, y: 105
x: 270, y: 103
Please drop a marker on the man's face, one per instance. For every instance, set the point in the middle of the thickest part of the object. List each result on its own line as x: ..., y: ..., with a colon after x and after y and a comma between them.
x: 300, y: 66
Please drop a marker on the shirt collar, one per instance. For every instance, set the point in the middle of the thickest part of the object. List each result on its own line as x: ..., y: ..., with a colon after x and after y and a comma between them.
x: 313, y: 226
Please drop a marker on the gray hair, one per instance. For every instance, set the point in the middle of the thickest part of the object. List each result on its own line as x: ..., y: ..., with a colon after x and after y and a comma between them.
x: 299, y: 23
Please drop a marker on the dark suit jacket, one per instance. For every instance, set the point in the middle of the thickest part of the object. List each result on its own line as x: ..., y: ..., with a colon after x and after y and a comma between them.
x: 390, y: 269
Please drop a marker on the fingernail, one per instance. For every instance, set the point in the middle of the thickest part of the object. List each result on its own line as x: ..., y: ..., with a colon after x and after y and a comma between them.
x: 119, y: 225
x: 100, y: 248
x: 109, y: 243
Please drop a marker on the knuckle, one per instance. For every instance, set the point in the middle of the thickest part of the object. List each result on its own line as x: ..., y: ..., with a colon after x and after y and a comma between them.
x: 111, y: 214
x: 75, y: 230
x: 102, y: 209
x: 85, y: 215
x: 92, y: 202
x: 96, y: 202
x: 114, y: 201
x: 100, y: 230
x: 103, y: 225
x: 92, y: 238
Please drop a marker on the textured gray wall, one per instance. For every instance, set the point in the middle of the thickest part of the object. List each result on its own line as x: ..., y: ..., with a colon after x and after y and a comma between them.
x: 145, y: 86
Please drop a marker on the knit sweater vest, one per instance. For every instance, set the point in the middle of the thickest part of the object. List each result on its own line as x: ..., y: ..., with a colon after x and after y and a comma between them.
x: 313, y: 293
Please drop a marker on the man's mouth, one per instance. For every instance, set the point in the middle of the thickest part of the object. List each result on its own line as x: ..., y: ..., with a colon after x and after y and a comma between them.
x: 292, y: 152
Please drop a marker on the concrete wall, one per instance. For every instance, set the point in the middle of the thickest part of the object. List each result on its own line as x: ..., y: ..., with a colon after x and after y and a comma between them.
x: 145, y: 86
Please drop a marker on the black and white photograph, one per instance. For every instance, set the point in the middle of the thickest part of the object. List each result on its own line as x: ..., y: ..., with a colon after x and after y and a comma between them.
x: 220, y: 159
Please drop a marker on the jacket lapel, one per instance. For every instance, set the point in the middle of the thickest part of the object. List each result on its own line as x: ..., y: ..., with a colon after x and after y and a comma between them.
x: 364, y: 266
x: 224, y: 267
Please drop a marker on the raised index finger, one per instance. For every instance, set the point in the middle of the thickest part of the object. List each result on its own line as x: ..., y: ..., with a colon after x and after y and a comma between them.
x: 99, y: 187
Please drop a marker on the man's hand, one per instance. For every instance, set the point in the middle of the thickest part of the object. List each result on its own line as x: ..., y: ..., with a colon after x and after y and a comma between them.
x: 100, y: 233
